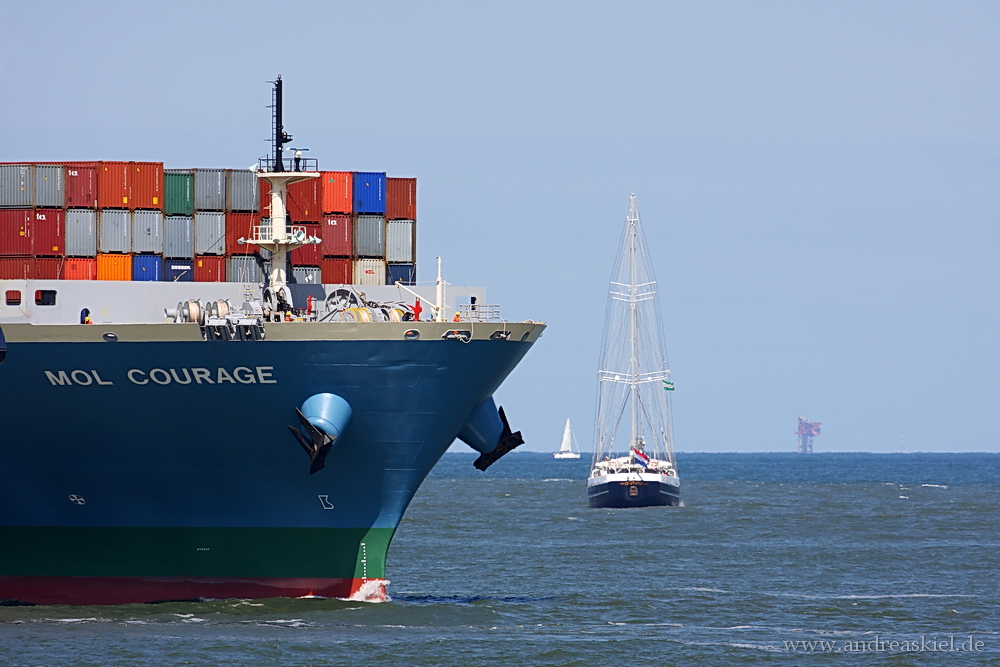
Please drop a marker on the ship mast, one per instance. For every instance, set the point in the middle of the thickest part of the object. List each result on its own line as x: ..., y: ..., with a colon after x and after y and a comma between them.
x: 632, y: 219
x: 633, y: 368
x: 281, y: 237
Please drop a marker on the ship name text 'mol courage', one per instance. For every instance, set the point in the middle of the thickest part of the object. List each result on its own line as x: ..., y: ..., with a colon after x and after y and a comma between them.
x: 164, y: 376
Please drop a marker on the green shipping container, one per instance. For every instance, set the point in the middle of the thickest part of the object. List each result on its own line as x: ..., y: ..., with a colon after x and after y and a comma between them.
x: 179, y: 195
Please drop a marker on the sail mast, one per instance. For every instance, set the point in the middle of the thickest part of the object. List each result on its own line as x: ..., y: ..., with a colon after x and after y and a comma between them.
x: 633, y: 324
x: 633, y: 372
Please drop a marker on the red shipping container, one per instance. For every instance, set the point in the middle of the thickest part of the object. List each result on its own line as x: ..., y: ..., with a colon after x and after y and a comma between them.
x: 401, y: 198
x: 310, y: 254
x: 337, y: 191
x: 81, y: 185
x: 336, y: 232
x: 209, y: 269
x: 265, y: 197
x: 15, y: 231
x: 337, y: 271
x: 47, y: 232
x: 77, y: 268
x: 240, y: 225
x: 113, y: 185
x: 303, y: 201
x: 146, y: 185
x: 15, y: 268
x: 47, y: 268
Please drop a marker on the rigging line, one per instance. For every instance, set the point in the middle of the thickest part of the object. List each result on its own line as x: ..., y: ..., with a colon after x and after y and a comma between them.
x: 652, y: 427
x: 617, y: 422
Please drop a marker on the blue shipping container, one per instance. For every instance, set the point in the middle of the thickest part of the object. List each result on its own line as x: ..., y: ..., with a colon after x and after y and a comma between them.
x: 147, y: 267
x: 369, y: 192
x: 404, y: 273
x: 178, y: 271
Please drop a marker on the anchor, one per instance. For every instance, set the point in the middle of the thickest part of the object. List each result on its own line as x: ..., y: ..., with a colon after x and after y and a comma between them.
x: 317, y: 445
x: 508, y: 441
x: 324, y: 418
x: 486, y: 430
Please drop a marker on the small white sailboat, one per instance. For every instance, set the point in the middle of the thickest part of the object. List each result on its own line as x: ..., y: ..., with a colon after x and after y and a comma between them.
x: 566, y: 449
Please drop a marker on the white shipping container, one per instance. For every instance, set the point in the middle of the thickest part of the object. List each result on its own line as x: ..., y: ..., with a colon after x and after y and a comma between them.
x: 147, y: 231
x: 81, y: 232
x: 399, y: 241
x: 178, y: 236
x: 244, y: 269
x: 15, y: 185
x: 209, y: 233
x: 115, y: 230
x: 369, y: 236
x: 49, y: 185
x: 210, y: 189
x: 369, y: 272
x: 243, y: 194
x: 307, y: 275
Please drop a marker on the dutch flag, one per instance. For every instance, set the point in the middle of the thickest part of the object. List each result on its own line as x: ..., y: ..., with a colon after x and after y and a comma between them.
x: 640, y: 458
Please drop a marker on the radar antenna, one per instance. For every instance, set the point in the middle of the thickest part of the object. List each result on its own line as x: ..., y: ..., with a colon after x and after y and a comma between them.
x: 281, y: 236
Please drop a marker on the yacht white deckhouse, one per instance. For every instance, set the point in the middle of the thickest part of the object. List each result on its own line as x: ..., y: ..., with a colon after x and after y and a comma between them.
x: 634, y: 374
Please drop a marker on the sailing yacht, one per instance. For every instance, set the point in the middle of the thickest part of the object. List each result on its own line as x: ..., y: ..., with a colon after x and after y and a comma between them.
x: 634, y: 380
x: 566, y: 448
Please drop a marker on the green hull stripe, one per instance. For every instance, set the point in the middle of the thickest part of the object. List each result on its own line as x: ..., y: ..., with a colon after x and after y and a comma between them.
x: 194, y: 552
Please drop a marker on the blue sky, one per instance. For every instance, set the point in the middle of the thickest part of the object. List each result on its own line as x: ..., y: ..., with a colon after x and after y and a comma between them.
x: 817, y: 181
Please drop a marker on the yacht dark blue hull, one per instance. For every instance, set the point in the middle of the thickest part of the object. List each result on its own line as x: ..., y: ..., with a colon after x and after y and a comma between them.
x: 633, y: 493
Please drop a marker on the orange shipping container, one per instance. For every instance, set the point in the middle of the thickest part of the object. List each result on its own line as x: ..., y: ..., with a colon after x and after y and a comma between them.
x: 337, y: 191
x: 114, y: 267
x: 146, y: 185
x: 303, y: 201
x: 401, y: 198
x: 113, y: 185
x: 240, y: 225
x: 77, y: 268
x: 209, y: 269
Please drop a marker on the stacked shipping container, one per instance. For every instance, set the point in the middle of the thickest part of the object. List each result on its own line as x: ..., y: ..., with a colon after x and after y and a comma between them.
x: 137, y: 221
x: 401, y: 230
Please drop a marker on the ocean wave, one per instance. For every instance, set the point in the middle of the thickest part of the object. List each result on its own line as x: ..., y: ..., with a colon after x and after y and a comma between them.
x: 285, y: 623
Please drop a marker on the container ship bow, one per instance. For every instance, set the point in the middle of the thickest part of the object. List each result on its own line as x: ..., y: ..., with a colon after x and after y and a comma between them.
x: 224, y: 439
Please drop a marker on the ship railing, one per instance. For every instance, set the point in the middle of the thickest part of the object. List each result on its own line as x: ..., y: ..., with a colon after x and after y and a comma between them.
x: 264, y: 233
x: 292, y: 164
x: 474, y: 312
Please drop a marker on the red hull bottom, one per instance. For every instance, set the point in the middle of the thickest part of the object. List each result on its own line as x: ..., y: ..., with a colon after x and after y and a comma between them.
x: 132, y: 590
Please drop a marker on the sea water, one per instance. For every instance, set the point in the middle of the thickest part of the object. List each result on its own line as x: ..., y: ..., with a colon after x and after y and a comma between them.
x: 774, y: 558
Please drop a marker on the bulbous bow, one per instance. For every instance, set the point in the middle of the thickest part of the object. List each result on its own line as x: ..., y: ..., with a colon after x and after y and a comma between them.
x: 324, y: 417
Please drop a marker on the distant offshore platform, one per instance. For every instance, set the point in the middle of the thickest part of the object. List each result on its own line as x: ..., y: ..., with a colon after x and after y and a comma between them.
x: 807, y: 431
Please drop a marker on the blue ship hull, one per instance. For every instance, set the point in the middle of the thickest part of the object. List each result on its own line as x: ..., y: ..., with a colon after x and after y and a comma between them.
x: 633, y: 494
x: 140, y: 458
